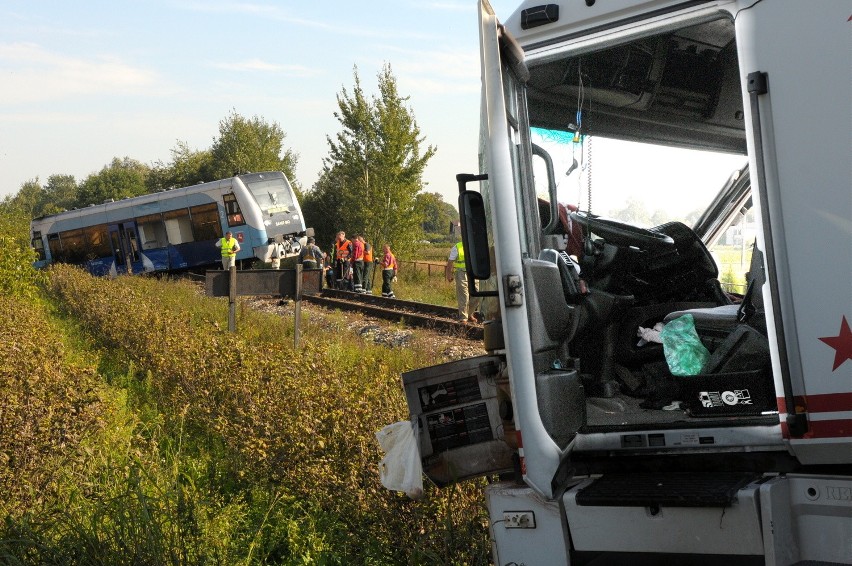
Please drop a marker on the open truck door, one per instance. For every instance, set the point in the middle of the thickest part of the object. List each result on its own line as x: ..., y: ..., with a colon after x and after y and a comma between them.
x: 616, y: 447
x: 528, y: 287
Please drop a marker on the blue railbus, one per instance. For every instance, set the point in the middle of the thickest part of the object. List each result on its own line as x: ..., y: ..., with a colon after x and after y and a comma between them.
x: 176, y: 229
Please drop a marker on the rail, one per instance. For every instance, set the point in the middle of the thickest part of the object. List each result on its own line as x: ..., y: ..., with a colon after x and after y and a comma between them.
x: 424, y: 315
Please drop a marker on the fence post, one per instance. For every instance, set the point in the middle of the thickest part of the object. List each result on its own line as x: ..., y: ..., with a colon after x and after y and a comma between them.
x: 298, y: 306
x: 232, y: 299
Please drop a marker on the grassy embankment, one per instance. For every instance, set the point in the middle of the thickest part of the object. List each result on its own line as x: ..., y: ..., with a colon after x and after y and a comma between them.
x: 135, y: 430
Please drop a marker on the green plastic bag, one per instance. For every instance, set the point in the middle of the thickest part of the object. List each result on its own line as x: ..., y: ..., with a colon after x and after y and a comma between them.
x: 685, y: 353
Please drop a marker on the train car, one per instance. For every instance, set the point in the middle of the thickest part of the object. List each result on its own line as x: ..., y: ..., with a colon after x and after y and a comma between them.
x: 176, y: 229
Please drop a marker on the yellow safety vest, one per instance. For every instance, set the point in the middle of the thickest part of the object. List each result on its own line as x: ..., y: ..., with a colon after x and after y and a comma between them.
x: 459, y: 263
x: 228, y: 247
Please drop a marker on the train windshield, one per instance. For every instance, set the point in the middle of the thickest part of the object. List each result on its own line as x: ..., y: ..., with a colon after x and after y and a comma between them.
x: 272, y: 192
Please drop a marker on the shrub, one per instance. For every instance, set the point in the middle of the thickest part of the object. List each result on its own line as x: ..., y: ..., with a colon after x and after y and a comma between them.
x: 48, y: 407
x: 301, y: 422
x: 18, y: 278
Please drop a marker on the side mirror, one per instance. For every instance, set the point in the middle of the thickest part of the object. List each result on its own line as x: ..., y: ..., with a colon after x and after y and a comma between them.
x: 474, y: 234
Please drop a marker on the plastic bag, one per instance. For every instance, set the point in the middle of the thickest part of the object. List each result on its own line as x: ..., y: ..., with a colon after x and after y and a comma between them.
x: 684, y: 352
x: 401, y: 469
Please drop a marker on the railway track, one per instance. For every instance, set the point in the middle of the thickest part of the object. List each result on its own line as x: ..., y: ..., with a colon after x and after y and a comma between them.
x: 424, y: 315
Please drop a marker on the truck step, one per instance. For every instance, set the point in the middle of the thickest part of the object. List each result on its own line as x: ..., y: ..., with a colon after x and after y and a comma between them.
x: 678, y: 489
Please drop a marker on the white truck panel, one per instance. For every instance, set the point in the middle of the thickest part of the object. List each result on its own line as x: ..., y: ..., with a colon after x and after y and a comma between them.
x: 698, y: 530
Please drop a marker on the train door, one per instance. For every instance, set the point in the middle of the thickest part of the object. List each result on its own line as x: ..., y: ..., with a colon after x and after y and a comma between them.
x: 125, y: 247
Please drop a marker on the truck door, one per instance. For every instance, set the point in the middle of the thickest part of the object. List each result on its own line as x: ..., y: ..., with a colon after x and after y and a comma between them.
x: 505, y: 148
x: 125, y: 247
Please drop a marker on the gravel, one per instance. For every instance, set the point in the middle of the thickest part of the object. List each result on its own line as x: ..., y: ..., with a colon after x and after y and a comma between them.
x: 444, y: 347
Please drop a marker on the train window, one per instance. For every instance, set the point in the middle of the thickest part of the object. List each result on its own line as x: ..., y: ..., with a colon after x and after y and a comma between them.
x: 152, y: 232
x: 233, y: 211
x: 55, y: 247
x: 38, y: 246
x: 205, y: 221
x: 73, y: 246
x: 97, y: 242
x: 178, y: 226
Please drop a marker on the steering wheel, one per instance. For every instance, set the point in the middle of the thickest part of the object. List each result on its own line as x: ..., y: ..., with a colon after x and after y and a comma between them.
x: 622, y: 234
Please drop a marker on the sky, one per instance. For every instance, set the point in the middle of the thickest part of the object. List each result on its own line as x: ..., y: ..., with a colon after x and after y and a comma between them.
x: 84, y: 82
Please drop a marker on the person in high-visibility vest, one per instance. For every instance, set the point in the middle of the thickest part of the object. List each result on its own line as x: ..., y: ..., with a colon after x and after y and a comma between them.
x: 358, y: 264
x: 342, y: 263
x: 230, y: 246
x: 369, y: 265
x: 389, y: 268
x: 455, y: 269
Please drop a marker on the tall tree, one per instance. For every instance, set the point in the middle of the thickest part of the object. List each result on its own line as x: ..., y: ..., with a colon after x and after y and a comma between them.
x: 634, y: 212
x: 187, y: 167
x: 120, y: 179
x: 250, y: 145
x: 28, y: 201
x: 377, y: 163
x: 437, y: 214
x: 60, y: 193
x: 324, y: 209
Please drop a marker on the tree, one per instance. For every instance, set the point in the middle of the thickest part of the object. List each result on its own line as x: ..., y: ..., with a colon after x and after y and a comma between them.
x: 660, y: 216
x: 120, y: 179
x: 437, y: 214
x: 250, y: 145
x: 60, y: 193
x: 187, y: 167
x: 28, y: 201
x: 634, y: 212
x: 323, y: 207
x: 377, y: 164
x: 33, y: 200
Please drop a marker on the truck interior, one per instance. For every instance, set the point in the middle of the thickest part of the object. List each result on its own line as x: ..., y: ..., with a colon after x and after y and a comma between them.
x: 678, y: 89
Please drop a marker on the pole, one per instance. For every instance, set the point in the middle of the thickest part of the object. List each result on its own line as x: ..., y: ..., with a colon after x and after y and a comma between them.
x: 232, y: 299
x: 298, y: 306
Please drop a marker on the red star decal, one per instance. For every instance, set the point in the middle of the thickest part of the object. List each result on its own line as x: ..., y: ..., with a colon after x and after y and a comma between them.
x: 841, y: 343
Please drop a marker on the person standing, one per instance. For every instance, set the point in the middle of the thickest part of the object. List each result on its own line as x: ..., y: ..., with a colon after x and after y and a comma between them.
x: 229, y: 246
x: 311, y: 256
x: 389, y: 268
x: 328, y: 272
x: 455, y: 269
x: 358, y: 263
x: 369, y: 266
x: 342, y: 252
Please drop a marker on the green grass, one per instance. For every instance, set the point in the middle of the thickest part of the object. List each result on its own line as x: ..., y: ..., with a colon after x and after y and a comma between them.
x: 734, y: 264
x: 255, y: 454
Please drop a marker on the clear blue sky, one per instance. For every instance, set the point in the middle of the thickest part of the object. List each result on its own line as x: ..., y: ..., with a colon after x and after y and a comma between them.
x: 83, y: 82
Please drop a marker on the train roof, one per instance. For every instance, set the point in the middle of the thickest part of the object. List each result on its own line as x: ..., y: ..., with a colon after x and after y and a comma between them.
x: 150, y: 197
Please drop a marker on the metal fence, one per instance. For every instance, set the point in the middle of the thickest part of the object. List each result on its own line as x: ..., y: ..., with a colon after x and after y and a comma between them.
x: 431, y: 268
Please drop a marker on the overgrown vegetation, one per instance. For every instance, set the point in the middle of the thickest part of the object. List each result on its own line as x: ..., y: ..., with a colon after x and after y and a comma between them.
x: 190, y: 445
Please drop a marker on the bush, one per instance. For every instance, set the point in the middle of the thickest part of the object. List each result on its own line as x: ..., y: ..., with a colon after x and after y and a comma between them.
x: 48, y: 407
x: 18, y: 278
x: 298, y: 423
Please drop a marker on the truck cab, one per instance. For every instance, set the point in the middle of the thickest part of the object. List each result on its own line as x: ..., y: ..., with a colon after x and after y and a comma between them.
x: 640, y: 400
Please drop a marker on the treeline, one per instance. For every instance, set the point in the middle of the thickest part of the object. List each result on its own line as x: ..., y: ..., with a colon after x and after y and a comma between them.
x: 370, y: 183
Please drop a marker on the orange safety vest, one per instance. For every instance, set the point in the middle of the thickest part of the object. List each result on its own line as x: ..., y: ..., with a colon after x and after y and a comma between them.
x: 368, y: 253
x: 342, y: 248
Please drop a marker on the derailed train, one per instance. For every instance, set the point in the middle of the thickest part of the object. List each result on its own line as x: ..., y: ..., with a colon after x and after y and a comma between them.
x: 175, y: 229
